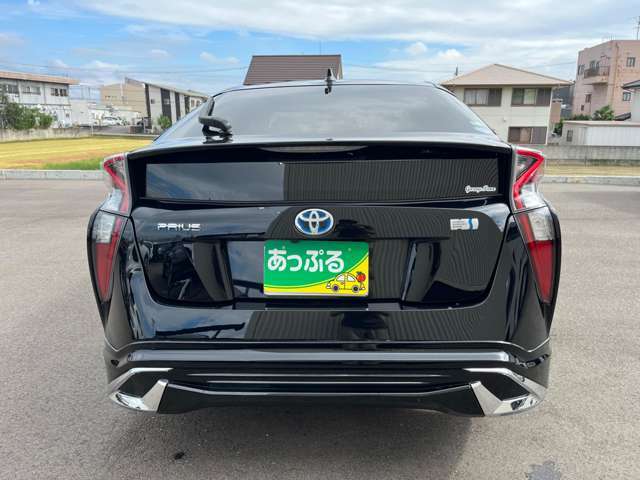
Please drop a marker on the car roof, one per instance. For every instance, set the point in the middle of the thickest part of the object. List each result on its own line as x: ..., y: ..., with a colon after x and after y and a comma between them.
x: 321, y: 83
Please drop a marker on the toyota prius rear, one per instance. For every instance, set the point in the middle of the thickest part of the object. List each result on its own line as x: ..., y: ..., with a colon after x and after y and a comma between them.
x: 327, y: 242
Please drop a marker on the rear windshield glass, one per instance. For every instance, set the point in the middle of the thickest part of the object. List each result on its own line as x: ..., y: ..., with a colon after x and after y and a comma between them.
x: 331, y: 181
x: 348, y: 111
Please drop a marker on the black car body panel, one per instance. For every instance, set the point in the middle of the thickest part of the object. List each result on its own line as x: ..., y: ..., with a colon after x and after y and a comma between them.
x: 455, y: 320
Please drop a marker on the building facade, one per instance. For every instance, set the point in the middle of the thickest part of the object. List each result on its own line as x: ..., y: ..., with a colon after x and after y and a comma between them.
x: 601, y: 133
x: 600, y: 74
x: 515, y: 103
x: 47, y: 93
x: 151, y: 100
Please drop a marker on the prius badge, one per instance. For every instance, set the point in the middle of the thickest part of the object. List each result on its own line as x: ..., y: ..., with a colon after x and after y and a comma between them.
x: 314, y: 221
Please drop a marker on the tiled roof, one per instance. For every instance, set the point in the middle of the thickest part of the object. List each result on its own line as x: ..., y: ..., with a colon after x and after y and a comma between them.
x: 33, y: 77
x: 285, y: 68
x: 497, y: 74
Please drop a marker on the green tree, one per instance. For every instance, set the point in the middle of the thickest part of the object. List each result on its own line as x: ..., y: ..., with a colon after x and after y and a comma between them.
x: 164, y: 122
x: 604, y: 113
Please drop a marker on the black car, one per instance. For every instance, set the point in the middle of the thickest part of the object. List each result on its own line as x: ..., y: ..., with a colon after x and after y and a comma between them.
x: 327, y: 241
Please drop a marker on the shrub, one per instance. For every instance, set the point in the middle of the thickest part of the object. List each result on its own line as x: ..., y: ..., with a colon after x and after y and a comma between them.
x: 164, y: 122
x: 605, y: 113
x: 44, y: 120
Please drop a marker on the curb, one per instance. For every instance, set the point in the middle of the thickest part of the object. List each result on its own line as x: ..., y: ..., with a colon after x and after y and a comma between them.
x: 630, y: 181
x: 10, y: 174
x: 50, y: 174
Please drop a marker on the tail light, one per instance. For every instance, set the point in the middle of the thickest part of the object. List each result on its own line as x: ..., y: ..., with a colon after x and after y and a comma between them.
x: 535, y: 221
x: 105, y: 235
x: 107, y: 227
x: 115, y: 177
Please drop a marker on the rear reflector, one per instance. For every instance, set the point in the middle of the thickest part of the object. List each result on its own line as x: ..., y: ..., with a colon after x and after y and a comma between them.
x: 540, y: 237
x: 104, y: 241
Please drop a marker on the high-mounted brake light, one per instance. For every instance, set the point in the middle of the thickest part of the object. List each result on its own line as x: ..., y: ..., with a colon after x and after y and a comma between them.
x: 115, y: 176
x: 535, y: 221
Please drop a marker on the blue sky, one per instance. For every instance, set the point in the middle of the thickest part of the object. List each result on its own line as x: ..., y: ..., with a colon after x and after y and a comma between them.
x: 206, y: 45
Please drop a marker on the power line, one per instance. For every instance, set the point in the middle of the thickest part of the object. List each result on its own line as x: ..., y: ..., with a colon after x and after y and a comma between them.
x: 123, y: 70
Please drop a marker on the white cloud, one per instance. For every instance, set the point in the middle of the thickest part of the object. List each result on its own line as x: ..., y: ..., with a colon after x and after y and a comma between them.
x: 416, y: 48
x: 10, y: 39
x: 211, y: 58
x: 159, y: 53
x: 521, y: 32
x: 57, y: 63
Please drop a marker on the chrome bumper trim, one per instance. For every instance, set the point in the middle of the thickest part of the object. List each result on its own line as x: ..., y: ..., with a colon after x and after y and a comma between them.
x: 150, y: 401
x: 490, y: 404
x: 494, y: 406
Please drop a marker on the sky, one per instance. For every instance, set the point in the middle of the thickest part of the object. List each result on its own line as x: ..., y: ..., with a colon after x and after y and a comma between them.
x: 206, y: 45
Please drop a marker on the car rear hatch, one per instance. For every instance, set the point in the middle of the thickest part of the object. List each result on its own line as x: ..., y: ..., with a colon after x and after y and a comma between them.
x: 430, y: 215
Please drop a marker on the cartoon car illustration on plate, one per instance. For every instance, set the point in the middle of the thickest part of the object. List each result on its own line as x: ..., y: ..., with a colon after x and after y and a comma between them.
x: 348, y: 281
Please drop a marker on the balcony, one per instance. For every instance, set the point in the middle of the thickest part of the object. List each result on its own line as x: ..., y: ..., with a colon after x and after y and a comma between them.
x: 596, y: 75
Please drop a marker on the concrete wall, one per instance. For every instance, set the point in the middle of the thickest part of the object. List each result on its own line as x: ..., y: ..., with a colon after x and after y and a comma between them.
x: 590, y: 155
x: 505, y: 116
x: 7, y: 135
x: 592, y: 133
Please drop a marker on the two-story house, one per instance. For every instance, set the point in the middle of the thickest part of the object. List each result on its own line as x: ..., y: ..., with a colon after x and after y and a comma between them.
x: 515, y: 103
x: 47, y: 93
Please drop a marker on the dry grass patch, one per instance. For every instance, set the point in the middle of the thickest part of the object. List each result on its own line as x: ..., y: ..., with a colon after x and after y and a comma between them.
x: 37, y: 153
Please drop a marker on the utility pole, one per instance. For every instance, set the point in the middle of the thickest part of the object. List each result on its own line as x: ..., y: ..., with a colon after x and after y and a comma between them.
x: 637, y: 27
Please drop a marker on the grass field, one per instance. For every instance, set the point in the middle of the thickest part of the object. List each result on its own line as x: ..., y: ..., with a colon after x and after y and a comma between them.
x: 75, y: 153
x: 87, y: 153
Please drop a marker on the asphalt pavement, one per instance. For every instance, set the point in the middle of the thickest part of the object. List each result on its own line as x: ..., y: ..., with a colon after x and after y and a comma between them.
x: 56, y: 422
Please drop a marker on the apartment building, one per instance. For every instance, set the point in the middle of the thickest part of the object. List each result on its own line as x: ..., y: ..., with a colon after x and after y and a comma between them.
x: 600, y: 74
x: 151, y: 100
x: 47, y: 93
x: 515, y: 103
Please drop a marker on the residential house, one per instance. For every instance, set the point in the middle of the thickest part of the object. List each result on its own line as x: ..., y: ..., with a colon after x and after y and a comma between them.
x: 47, y: 93
x: 601, y: 133
x: 515, y: 103
x: 151, y: 99
x: 601, y: 72
x: 633, y: 89
x: 286, y: 68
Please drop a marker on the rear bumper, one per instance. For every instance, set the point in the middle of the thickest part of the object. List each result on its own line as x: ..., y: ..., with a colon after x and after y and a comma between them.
x: 465, y: 381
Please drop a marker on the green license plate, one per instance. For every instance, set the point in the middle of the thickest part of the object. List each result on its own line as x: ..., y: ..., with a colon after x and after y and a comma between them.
x: 316, y: 267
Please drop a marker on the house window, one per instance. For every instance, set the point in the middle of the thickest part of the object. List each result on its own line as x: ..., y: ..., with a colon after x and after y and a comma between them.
x: 152, y: 100
x: 531, y: 96
x: 9, y: 88
x: 592, y: 64
x: 490, y: 97
x: 631, y: 62
x: 528, y: 135
x: 55, y: 92
x: 63, y: 92
x: 587, y: 98
x: 31, y: 89
x: 166, y: 101
x: 582, y: 108
x: 626, y: 96
x: 569, y: 135
x: 580, y: 69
